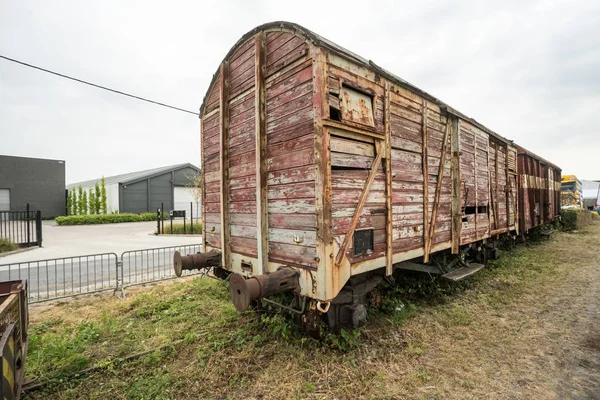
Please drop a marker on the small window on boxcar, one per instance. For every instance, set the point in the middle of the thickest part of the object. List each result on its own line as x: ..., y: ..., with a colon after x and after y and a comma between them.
x: 356, y: 106
x: 363, y: 242
x: 468, y: 210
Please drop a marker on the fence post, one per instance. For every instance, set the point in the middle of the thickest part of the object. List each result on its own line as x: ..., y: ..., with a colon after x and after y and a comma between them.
x: 38, y: 227
x: 27, y: 221
x: 158, y: 221
x: 191, y: 217
x: 162, y: 216
x: 119, y: 267
x: 184, y: 222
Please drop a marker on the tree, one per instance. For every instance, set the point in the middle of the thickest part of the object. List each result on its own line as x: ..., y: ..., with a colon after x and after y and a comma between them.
x: 194, y: 186
x: 73, y: 201
x: 103, y: 196
x: 84, y: 201
x: 92, y: 201
x: 69, y: 204
x: 97, y: 198
x: 80, y: 203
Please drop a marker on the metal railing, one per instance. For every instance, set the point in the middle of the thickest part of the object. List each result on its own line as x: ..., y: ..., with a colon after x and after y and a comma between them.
x: 22, y: 227
x: 58, y: 278
x: 151, y: 265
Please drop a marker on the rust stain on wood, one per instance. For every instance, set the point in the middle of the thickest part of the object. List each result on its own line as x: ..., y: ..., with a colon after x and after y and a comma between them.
x: 389, y: 238
x: 262, y: 212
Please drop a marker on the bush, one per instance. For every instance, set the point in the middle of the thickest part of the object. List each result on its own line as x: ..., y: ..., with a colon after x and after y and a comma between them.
x: 150, y: 216
x: 572, y: 220
x: 178, y: 229
x: 98, y: 219
x: 106, y: 218
x: 7, y: 245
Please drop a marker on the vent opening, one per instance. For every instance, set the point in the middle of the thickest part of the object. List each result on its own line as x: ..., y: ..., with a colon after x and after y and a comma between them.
x: 363, y: 242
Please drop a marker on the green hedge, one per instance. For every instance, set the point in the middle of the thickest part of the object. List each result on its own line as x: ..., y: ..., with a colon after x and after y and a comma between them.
x: 104, y: 218
x: 178, y: 228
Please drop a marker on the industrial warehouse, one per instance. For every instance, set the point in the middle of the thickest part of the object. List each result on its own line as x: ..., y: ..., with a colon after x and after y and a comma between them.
x: 145, y: 191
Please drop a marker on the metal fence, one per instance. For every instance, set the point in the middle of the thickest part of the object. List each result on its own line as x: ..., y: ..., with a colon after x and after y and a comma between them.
x: 22, y: 227
x: 58, y: 278
x: 151, y: 265
x: 185, y: 216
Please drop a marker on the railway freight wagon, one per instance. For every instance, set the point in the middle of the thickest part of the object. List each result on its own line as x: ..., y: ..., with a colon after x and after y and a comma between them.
x: 323, y: 173
x: 539, y: 190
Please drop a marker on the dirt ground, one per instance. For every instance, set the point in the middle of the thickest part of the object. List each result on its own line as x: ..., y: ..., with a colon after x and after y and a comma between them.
x: 527, y: 327
x: 543, y: 345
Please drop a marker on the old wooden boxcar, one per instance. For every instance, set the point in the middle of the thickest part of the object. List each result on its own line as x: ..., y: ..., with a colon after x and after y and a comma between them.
x: 319, y: 161
x: 539, y: 190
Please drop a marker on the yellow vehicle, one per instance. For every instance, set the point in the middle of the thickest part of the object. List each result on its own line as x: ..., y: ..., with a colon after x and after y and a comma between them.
x: 571, y: 192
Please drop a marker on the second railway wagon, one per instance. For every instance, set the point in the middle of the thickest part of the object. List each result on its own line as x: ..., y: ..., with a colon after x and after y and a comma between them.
x: 539, y: 190
x: 323, y: 172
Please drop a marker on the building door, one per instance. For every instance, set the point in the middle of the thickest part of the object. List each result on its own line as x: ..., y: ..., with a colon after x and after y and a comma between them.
x: 4, y: 200
x: 182, y: 197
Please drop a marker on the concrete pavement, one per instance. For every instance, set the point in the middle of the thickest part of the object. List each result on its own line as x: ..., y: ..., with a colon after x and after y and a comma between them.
x: 75, y: 240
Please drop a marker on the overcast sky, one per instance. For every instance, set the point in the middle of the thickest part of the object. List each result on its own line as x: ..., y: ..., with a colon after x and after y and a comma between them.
x: 528, y: 70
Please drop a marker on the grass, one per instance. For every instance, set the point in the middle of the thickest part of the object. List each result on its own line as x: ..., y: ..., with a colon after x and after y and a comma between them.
x: 425, y: 339
x: 178, y: 228
x: 6, y: 245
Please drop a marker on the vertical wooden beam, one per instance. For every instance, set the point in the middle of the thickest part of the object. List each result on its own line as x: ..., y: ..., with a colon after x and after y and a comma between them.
x: 507, y: 188
x: 475, y: 183
x: 389, y: 268
x: 496, y: 225
x: 203, y: 193
x: 325, y: 267
x: 456, y: 186
x: 224, y: 165
x: 260, y: 112
x: 425, y: 168
x: 438, y: 191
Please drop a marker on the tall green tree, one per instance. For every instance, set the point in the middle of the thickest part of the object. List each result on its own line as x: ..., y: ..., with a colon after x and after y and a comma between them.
x: 73, y: 201
x: 103, y: 196
x: 92, y: 201
x: 85, y: 203
x: 69, y: 204
x: 98, y: 199
x: 80, y: 206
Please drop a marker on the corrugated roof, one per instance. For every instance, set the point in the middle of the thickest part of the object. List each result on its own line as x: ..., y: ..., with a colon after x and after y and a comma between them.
x: 132, y: 176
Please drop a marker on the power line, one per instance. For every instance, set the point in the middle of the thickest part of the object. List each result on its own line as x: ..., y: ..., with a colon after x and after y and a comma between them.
x: 97, y: 86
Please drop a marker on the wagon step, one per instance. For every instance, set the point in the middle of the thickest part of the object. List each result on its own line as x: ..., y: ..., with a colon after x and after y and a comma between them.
x: 462, y: 273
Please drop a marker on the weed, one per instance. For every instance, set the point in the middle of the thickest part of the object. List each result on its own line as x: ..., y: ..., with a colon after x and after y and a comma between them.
x: 7, y: 245
x: 344, y: 341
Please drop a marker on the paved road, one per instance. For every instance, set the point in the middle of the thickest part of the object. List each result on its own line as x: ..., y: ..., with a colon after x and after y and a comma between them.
x: 51, y: 276
x: 68, y: 241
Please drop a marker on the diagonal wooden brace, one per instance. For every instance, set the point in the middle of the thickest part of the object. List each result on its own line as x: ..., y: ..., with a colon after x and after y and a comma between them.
x: 361, y: 203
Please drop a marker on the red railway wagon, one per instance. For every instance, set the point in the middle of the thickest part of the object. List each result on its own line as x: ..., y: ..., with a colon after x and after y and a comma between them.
x: 323, y: 173
x: 539, y: 190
